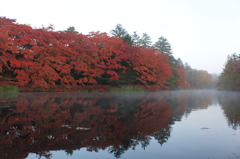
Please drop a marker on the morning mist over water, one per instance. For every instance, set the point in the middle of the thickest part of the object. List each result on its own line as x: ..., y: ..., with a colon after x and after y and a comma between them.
x: 166, y: 124
x: 166, y: 49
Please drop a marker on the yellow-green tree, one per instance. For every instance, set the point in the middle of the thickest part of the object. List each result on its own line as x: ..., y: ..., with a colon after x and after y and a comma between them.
x: 230, y: 78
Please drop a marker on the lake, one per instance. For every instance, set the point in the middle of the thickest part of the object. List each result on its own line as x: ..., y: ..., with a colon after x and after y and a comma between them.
x: 182, y: 124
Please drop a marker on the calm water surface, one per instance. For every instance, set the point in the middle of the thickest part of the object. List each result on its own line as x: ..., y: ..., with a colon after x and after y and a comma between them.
x: 169, y: 125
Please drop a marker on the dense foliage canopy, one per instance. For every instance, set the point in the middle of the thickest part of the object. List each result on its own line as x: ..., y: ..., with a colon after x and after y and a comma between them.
x: 44, y: 58
x: 230, y: 77
x: 198, y: 78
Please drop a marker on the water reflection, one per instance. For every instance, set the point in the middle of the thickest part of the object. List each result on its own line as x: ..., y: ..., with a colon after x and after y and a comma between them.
x: 41, y: 122
x: 230, y: 102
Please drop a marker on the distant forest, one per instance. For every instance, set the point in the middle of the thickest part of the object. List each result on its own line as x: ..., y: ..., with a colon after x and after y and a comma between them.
x: 36, y: 59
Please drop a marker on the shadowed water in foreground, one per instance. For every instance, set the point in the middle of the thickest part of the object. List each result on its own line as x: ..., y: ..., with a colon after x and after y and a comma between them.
x: 168, y: 124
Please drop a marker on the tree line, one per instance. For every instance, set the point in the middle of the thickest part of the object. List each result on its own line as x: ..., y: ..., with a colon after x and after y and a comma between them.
x: 230, y: 77
x: 44, y: 58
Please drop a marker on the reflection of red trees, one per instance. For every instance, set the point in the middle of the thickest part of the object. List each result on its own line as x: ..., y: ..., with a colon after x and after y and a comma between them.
x: 39, y: 122
x: 43, y: 122
x: 152, y: 111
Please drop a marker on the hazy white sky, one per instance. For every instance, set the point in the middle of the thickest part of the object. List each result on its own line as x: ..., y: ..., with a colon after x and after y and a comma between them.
x: 201, y: 32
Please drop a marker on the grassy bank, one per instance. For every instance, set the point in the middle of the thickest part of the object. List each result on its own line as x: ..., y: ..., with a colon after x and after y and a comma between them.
x: 8, y: 88
x: 87, y: 88
x: 127, y: 89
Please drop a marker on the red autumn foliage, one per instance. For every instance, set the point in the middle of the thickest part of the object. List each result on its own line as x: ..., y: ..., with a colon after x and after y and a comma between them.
x: 151, y: 66
x: 46, y: 58
x: 182, y: 77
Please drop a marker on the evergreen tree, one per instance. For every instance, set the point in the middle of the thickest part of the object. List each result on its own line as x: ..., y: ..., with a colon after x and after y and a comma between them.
x: 163, y: 46
x: 71, y: 29
x: 187, y: 67
x: 230, y: 77
x: 119, y: 31
x: 233, y: 58
x: 122, y: 33
x: 127, y: 39
x: 146, y: 40
x: 136, y: 39
x: 180, y: 62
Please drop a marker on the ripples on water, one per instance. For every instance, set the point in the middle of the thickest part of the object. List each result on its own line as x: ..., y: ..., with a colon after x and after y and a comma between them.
x: 167, y: 124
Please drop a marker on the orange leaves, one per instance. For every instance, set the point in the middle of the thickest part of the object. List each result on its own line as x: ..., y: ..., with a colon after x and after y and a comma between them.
x: 68, y: 80
x: 22, y: 77
x: 151, y: 66
x: 114, y: 75
x: 198, y: 78
x: 45, y: 58
x: 85, y: 80
x: 28, y: 54
x: 65, y: 69
x: 93, y: 72
x: 15, y: 63
x: 181, y: 79
x: 1, y: 64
